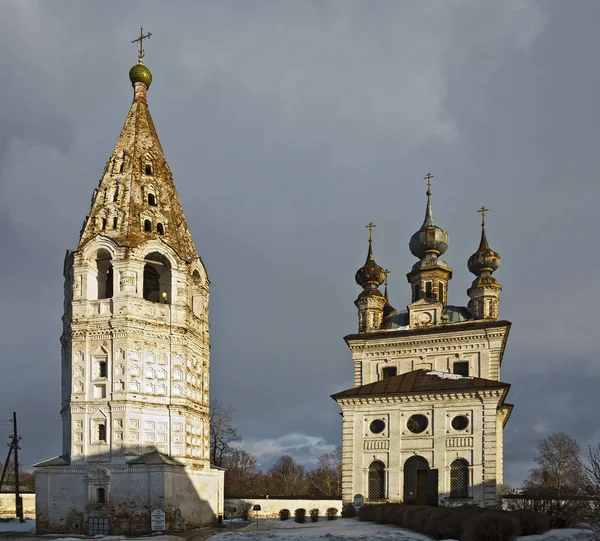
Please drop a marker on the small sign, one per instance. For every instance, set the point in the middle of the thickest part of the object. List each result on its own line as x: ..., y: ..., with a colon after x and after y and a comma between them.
x: 158, y: 520
x: 358, y: 501
x: 256, y: 507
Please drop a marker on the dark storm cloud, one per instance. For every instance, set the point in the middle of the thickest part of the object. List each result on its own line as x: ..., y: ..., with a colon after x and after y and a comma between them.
x: 288, y: 126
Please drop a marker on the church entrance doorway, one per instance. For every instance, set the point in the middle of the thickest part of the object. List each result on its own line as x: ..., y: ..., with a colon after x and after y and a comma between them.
x: 416, y: 480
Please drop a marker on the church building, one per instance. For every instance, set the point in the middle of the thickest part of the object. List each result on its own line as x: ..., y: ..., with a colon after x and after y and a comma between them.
x: 424, y: 421
x: 135, y: 356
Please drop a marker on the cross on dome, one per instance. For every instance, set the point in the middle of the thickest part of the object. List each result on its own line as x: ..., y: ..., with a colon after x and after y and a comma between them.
x: 142, y: 37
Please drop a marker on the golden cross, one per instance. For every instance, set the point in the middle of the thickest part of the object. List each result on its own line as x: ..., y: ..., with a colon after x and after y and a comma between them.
x: 141, y: 39
x: 428, y: 178
x: 370, y: 228
x: 483, y: 210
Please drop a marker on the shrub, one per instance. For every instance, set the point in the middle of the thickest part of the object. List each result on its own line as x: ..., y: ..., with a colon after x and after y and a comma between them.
x: 332, y: 513
x: 409, y: 514
x: 451, y: 527
x: 300, y: 515
x: 490, y: 526
x: 398, y: 515
x: 348, y: 511
x: 366, y: 513
x: 314, y: 515
x: 379, y: 514
x: 244, y: 508
x: 432, y: 525
x: 389, y: 512
x: 532, y: 523
x: 420, y: 518
x: 284, y: 514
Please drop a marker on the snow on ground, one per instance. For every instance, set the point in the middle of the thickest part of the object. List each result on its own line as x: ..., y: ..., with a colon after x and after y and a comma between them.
x: 353, y: 530
x: 15, y: 526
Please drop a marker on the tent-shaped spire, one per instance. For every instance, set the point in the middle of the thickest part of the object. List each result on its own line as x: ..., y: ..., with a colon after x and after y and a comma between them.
x: 136, y: 199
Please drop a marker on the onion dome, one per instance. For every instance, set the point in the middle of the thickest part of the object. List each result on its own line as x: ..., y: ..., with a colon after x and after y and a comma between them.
x: 370, y: 276
x: 140, y: 74
x: 484, y: 259
x: 430, y: 239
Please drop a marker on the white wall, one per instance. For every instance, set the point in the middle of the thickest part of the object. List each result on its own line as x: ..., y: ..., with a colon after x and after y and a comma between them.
x: 270, y: 507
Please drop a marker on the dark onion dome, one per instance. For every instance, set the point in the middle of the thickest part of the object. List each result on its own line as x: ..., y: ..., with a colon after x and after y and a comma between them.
x: 370, y: 276
x: 140, y: 74
x: 484, y: 259
x: 430, y: 239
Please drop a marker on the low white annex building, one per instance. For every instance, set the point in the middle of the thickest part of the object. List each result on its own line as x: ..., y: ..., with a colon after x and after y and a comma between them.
x: 424, y: 421
x: 135, y: 356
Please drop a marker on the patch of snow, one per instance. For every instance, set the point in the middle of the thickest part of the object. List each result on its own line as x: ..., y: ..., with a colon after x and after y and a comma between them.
x: 447, y: 375
x: 15, y: 526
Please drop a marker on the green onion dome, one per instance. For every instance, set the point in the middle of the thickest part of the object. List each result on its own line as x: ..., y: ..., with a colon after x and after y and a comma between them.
x: 140, y: 74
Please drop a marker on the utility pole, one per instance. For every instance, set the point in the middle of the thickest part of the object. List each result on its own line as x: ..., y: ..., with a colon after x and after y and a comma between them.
x: 18, y: 499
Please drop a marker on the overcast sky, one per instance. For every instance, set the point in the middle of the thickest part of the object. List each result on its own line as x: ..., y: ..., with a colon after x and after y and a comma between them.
x: 288, y: 126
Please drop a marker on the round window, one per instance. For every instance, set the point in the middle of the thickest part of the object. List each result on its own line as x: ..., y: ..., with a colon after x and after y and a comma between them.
x: 417, y: 423
x: 460, y: 422
x: 377, y: 426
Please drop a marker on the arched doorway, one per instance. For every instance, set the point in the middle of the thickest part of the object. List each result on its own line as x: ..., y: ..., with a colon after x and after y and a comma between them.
x: 376, y: 480
x: 416, y: 477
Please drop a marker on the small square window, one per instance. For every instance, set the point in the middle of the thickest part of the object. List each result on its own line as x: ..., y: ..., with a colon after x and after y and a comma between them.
x: 461, y: 368
x: 388, y: 372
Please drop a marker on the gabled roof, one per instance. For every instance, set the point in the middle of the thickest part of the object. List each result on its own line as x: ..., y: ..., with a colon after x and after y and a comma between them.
x: 156, y: 457
x: 421, y: 382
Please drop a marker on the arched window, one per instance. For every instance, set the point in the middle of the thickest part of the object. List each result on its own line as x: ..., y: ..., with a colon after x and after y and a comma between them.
x: 160, y: 229
x: 459, y: 478
x: 376, y: 480
x: 103, y: 224
x: 116, y: 193
x: 100, y: 495
x: 157, y: 278
x: 105, y: 274
x: 147, y: 226
x: 148, y: 169
x: 151, y: 199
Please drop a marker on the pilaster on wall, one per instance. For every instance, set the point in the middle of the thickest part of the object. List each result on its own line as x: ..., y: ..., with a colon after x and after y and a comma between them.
x: 348, y: 456
x: 490, y: 454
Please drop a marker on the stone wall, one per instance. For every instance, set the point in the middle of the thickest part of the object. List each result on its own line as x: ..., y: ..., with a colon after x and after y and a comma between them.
x: 7, y: 505
x: 269, y: 508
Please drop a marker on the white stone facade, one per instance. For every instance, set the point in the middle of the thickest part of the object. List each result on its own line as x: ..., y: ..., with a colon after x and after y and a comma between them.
x: 424, y: 422
x: 135, y: 358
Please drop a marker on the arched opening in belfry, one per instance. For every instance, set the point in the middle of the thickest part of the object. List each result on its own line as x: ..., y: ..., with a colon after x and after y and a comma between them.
x: 157, y: 278
x: 105, y: 276
x: 147, y: 226
x: 376, y: 480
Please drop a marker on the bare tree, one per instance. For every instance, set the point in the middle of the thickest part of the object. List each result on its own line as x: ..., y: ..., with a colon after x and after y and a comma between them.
x: 326, y: 479
x: 559, y: 472
x: 223, y: 435
x: 241, y: 474
x: 287, y: 477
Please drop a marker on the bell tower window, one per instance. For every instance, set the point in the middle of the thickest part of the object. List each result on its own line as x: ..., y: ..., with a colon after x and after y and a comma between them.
x: 388, y: 372
x: 148, y: 169
x: 157, y: 278
x: 417, y: 292
x: 105, y: 275
x: 461, y: 368
x: 103, y: 224
x: 116, y: 193
x: 100, y: 495
x: 160, y: 229
x: 151, y: 199
x: 115, y: 222
x: 428, y: 292
x: 441, y: 292
x: 147, y: 226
